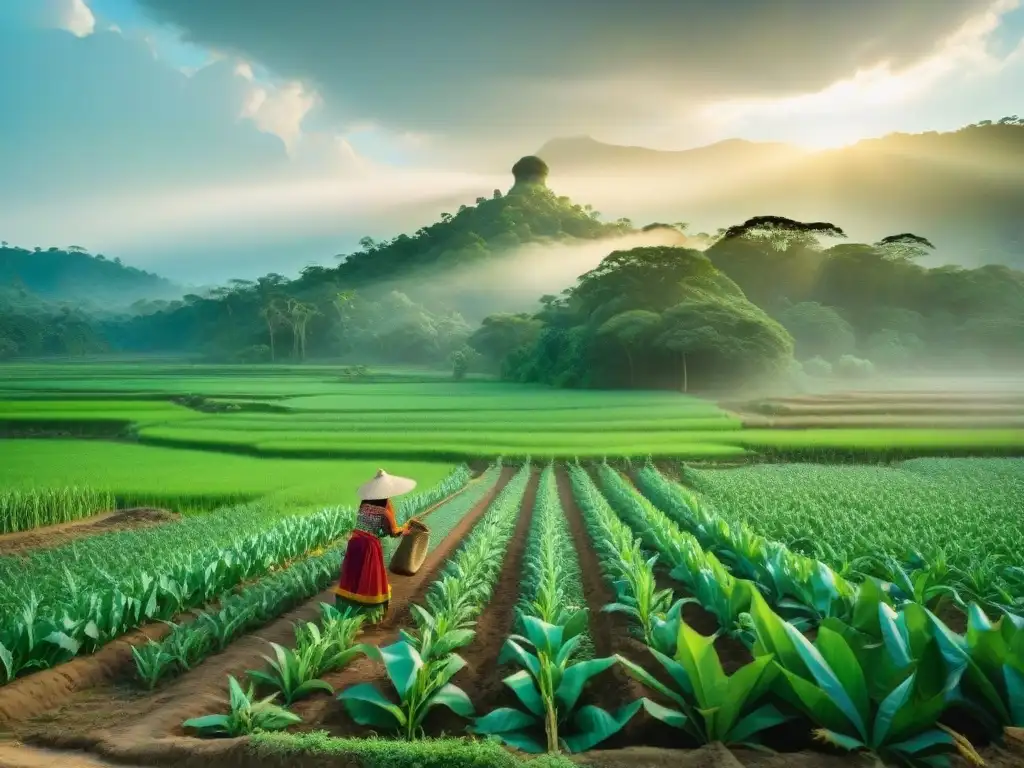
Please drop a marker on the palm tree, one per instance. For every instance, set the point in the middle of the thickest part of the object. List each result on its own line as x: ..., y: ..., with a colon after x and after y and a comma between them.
x: 273, y: 315
x: 299, y: 314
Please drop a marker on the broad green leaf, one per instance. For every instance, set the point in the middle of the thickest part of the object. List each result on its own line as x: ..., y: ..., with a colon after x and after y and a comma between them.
x: 646, y: 678
x: 887, y: 710
x: 503, y: 720
x: 576, y: 624
x: 696, y: 654
x: 738, y: 692
x: 208, y: 722
x: 403, y: 663
x: 308, y: 687
x: 841, y: 659
x: 827, y: 679
x: 773, y: 638
x: 923, y: 742
x: 761, y: 719
x: 546, y: 638
x: 512, y: 651
x: 815, y: 703
x: 523, y: 686
x: 594, y: 725
x: 521, y: 741
x: 454, y: 698
x: 367, y: 706
x: 1014, y: 680
x: 671, y: 717
x: 577, y: 676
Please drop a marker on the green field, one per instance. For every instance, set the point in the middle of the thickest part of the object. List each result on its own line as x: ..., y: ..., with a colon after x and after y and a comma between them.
x: 964, y: 513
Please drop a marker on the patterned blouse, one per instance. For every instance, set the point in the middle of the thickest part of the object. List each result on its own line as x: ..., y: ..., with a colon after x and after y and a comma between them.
x: 379, y: 521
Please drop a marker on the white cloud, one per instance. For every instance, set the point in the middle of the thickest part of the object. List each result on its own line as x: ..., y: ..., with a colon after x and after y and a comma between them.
x: 279, y: 110
x: 859, y: 105
x: 76, y: 18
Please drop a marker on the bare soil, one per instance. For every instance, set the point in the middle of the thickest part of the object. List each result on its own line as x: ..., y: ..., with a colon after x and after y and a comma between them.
x: 52, y: 536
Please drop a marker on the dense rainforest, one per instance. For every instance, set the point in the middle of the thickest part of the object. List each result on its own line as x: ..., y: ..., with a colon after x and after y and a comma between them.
x: 766, y: 297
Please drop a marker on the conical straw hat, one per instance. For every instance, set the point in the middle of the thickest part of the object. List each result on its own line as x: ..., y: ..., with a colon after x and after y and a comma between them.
x: 385, y: 486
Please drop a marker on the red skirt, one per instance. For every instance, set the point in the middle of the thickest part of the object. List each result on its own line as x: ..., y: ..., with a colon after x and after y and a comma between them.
x: 364, y: 579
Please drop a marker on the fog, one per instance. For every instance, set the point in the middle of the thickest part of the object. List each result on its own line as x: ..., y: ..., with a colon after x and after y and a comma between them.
x: 514, y: 281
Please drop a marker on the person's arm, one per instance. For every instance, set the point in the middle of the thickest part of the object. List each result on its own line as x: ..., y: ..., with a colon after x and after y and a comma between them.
x: 394, y: 528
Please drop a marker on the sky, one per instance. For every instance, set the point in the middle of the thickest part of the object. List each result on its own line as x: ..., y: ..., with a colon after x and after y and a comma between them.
x: 230, y: 138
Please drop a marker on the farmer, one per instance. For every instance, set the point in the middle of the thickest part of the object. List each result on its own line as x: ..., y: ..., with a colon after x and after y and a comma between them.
x: 364, y: 578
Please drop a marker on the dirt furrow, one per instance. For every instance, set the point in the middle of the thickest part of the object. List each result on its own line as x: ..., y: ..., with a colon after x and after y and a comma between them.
x: 322, y: 711
x: 610, y: 632
x: 481, y: 678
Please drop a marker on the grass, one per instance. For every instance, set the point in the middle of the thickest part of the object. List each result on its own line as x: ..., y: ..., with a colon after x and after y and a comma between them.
x: 391, y: 753
x: 24, y: 509
x: 141, y: 474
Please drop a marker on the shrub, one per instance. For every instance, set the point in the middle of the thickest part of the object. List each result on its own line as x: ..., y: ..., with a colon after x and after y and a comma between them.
x: 818, y: 367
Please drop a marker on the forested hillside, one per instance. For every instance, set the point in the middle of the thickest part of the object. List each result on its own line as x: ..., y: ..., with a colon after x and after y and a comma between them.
x: 72, y: 274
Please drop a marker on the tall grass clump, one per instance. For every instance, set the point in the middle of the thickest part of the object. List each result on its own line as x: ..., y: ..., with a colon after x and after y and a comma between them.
x: 24, y: 509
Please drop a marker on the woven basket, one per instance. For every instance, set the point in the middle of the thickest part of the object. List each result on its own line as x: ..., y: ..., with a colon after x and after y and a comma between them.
x: 411, y: 552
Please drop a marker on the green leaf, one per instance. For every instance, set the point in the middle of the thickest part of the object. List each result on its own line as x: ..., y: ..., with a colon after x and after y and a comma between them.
x: 671, y: 717
x: 216, y: 723
x: 546, y: 638
x: 826, y: 678
x: 403, y: 663
x: 577, y: 676
x: 523, y: 686
x: 646, y: 678
x: 454, y: 698
x: 887, y: 711
x: 503, y: 720
x: 1014, y: 680
x: 308, y: 687
x: 761, y: 719
x: 521, y: 741
x: 744, y: 684
x: 594, y: 725
x: 696, y: 654
x: 923, y: 742
x: 843, y: 661
x: 367, y: 706
x: 512, y: 651
x: 576, y: 624
x: 839, y: 740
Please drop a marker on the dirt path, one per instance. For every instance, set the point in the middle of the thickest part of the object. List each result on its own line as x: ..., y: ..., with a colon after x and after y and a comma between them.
x: 322, y: 711
x: 51, y: 536
x: 14, y: 755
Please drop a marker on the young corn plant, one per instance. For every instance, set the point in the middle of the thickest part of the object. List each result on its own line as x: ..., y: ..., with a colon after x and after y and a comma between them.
x: 295, y: 673
x: 552, y: 588
x: 889, y: 711
x: 152, y: 663
x: 712, y: 706
x: 419, y: 686
x: 549, y: 686
x: 247, y: 715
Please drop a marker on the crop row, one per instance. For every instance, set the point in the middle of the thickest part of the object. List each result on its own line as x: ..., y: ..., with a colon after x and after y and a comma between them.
x: 957, y: 518
x: 22, y: 510
x: 103, y: 597
x: 876, y: 680
x: 552, y: 650
x: 800, y: 586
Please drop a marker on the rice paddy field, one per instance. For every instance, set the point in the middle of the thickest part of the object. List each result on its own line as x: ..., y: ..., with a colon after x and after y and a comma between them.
x: 617, y: 578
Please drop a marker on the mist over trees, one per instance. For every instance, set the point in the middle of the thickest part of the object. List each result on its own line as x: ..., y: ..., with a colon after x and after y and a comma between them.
x: 765, y: 297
